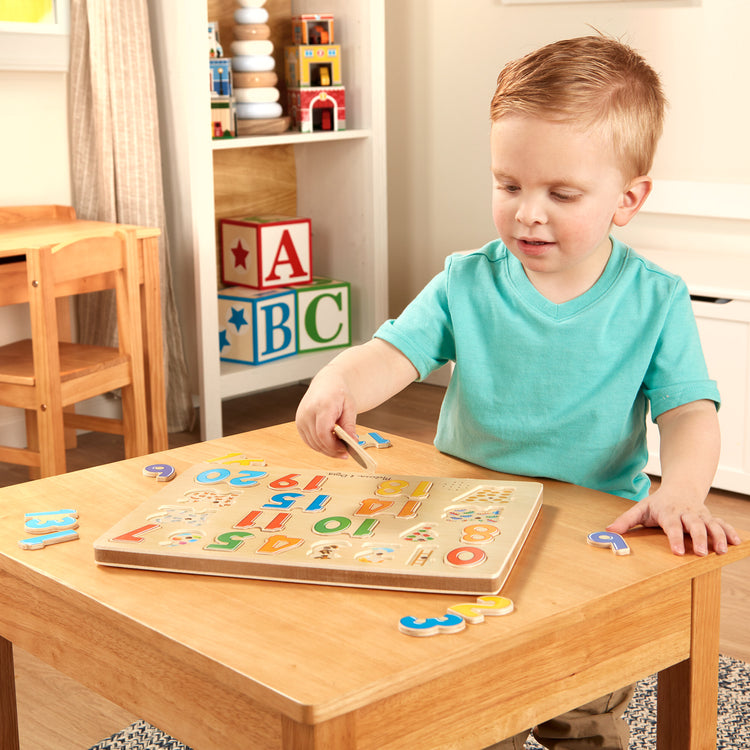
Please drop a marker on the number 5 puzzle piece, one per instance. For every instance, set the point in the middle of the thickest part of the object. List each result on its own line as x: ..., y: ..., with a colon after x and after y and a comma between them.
x: 46, y: 522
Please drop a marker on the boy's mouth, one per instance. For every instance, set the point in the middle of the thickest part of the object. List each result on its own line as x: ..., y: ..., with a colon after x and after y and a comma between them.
x: 533, y: 247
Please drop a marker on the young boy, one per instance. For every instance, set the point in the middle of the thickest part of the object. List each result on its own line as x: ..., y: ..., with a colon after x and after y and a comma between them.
x: 561, y: 335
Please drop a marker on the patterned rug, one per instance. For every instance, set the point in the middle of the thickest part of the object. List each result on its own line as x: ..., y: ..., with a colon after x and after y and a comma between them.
x: 733, y: 729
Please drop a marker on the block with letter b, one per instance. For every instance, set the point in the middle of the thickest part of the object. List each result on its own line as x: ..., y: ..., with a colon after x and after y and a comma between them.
x: 323, y: 315
x: 266, y: 252
x: 256, y: 326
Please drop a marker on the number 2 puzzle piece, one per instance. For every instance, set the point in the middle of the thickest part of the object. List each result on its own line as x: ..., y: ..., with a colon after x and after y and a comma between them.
x: 485, y: 606
x: 609, y: 539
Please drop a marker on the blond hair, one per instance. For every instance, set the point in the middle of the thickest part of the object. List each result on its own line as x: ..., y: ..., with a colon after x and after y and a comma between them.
x: 589, y: 81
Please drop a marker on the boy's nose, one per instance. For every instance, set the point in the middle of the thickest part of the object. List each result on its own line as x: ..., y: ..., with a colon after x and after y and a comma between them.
x: 530, y: 212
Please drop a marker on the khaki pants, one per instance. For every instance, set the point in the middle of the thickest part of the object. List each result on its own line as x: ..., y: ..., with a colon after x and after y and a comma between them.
x: 596, y: 726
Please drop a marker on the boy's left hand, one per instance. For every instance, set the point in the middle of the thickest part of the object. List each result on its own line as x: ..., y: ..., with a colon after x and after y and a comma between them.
x: 678, y: 517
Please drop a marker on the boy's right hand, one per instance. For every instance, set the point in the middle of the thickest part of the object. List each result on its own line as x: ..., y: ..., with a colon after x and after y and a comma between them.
x: 357, y: 380
x: 327, y: 402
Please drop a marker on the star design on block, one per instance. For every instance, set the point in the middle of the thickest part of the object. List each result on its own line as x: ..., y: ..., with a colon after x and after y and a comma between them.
x: 240, y: 255
x: 223, y: 339
x: 237, y: 318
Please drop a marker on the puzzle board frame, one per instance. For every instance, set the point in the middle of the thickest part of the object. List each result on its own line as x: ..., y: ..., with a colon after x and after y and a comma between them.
x: 329, y: 527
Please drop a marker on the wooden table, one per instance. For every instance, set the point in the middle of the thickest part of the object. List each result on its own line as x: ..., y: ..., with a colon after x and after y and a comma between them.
x: 16, y: 237
x: 235, y: 663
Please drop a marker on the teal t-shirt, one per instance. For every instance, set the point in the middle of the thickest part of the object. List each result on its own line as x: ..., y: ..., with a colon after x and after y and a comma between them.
x: 547, y: 390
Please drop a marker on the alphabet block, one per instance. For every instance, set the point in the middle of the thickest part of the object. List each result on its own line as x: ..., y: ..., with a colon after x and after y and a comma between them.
x: 256, y: 326
x: 266, y: 252
x: 323, y: 315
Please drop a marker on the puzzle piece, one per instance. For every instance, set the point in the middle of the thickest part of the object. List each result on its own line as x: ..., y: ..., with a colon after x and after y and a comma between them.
x: 463, y: 612
x: 46, y: 522
x: 353, y: 448
x: 162, y: 472
x: 44, y: 540
x: 432, y: 625
x: 608, y: 539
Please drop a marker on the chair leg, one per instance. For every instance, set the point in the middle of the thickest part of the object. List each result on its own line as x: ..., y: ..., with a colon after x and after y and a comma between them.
x: 134, y: 422
x: 32, y: 441
x: 51, y: 437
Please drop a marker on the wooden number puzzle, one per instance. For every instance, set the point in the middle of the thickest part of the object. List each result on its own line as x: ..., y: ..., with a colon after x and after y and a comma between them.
x: 338, y: 528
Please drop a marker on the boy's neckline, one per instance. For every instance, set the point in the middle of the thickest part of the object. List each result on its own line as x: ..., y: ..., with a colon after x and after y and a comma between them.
x: 571, y: 306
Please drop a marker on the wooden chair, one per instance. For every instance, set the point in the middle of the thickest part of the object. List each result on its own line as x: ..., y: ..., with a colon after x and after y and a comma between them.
x: 44, y: 374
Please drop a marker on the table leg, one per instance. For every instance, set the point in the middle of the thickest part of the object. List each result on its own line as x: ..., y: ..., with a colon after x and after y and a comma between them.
x: 8, y: 714
x: 153, y: 339
x: 688, y: 692
x: 336, y: 734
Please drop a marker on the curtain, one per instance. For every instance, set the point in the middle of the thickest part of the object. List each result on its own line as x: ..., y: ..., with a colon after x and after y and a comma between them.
x: 116, y: 163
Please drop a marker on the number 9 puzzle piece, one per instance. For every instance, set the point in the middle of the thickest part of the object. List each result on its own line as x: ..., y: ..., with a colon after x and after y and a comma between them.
x: 162, y: 472
x: 608, y: 539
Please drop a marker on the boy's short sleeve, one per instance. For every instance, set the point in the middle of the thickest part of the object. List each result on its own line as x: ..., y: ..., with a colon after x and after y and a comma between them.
x: 677, y: 373
x: 424, y: 330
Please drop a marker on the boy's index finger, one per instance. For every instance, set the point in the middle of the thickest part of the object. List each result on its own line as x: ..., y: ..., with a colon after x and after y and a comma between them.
x: 354, y: 449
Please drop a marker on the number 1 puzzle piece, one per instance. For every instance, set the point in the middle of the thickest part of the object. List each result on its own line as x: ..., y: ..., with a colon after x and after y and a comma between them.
x: 43, y: 540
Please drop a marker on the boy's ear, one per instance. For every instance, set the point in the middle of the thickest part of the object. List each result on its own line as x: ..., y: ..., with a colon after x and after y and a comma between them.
x: 633, y: 197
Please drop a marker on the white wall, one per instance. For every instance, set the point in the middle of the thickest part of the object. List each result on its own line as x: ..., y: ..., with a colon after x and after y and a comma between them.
x: 443, y: 59
x: 35, y: 162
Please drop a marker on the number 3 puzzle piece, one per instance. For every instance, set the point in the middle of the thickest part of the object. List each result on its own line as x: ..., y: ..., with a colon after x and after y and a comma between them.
x: 449, y: 623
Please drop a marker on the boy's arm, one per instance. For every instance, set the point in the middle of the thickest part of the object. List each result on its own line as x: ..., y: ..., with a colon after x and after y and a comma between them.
x: 355, y: 381
x: 689, y: 451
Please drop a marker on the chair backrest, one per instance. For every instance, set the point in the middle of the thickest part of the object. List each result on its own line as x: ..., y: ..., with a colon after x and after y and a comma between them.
x: 95, y: 255
x: 18, y: 214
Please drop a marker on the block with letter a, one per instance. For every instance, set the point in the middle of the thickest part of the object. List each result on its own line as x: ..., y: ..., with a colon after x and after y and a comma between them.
x: 266, y: 252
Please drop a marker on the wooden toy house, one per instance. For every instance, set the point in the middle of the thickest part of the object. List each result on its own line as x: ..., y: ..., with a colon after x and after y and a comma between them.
x: 317, y: 97
x: 313, y: 28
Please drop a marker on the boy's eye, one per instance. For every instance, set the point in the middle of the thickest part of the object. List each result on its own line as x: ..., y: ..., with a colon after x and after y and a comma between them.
x: 564, y: 197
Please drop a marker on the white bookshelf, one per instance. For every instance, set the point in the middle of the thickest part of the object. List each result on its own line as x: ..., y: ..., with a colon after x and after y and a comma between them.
x: 336, y: 179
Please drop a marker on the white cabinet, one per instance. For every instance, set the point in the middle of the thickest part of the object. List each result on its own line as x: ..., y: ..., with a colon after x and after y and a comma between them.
x: 720, y: 286
x: 338, y: 180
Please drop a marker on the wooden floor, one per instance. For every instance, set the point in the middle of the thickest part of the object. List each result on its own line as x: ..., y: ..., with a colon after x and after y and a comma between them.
x: 56, y: 713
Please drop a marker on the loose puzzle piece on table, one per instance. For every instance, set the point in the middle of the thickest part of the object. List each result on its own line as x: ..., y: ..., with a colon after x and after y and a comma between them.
x: 330, y: 527
x: 49, y: 527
